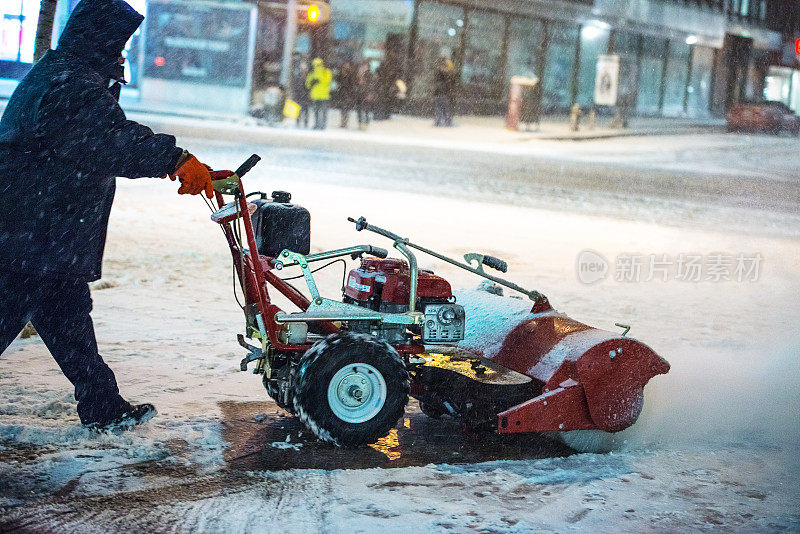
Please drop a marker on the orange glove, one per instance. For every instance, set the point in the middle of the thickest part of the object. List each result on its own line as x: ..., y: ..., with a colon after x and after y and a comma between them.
x: 194, y: 177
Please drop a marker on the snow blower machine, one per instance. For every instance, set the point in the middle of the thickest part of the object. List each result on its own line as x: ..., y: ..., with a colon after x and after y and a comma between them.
x: 346, y: 367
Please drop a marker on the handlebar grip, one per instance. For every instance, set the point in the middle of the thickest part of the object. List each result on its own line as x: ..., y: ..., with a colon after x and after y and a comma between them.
x: 495, y: 263
x: 245, y: 167
x: 379, y: 252
x: 361, y: 223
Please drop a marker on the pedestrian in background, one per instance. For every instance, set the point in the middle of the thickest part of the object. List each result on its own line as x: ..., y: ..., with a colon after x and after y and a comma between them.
x: 444, y: 86
x: 300, y: 91
x: 345, y: 92
x: 364, y: 94
x: 386, y: 76
x: 318, y: 83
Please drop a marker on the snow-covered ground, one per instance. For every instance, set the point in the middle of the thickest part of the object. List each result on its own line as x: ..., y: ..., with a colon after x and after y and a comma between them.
x: 716, y: 448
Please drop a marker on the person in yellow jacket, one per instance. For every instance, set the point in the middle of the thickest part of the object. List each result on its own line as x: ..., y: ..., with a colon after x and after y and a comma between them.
x: 318, y: 83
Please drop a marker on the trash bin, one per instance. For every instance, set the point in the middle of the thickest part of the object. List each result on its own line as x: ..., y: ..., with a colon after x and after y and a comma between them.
x: 524, y: 102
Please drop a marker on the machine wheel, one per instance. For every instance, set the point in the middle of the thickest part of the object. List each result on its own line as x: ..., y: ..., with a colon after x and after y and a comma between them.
x: 351, y: 389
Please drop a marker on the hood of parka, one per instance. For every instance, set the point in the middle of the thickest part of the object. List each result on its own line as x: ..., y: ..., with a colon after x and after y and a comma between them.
x: 97, y: 31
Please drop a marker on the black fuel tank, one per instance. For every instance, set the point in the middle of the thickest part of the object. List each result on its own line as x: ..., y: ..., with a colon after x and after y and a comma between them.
x: 279, y: 225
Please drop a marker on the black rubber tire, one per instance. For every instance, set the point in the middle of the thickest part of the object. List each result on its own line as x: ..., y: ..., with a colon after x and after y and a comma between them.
x: 319, y: 365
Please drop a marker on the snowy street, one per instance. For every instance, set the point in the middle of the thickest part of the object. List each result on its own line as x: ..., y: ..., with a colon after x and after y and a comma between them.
x: 716, y: 449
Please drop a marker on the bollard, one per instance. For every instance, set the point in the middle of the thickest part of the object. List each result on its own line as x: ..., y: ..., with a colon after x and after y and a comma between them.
x: 616, y: 122
x: 575, y: 117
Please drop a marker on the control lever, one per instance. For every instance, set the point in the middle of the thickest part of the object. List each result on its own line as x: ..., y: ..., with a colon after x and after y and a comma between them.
x: 245, y: 167
x: 361, y: 223
x: 230, y: 185
x: 255, y: 353
x: 495, y: 263
x: 489, y: 261
x: 379, y: 252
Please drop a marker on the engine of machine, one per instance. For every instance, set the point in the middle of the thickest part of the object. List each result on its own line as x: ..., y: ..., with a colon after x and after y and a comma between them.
x: 384, y: 285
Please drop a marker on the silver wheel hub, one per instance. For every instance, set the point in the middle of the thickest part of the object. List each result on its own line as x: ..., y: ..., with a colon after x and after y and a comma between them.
x: 356, y: 393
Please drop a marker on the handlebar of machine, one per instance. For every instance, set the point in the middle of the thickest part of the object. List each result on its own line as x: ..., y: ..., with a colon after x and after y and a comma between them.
x: 245, y: 167
x: 230, y: 185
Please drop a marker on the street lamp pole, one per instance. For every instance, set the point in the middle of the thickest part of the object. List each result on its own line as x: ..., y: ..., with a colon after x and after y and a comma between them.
x: 288, y: 45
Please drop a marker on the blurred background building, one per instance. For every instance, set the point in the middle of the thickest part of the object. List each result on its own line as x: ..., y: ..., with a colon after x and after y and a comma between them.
x: 677, y: 57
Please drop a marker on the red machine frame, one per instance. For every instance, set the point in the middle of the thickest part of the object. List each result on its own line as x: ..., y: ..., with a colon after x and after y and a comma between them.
x: 596, y: 383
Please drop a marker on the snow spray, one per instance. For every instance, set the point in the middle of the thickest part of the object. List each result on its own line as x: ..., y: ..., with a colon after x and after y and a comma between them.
x: 715, y: 395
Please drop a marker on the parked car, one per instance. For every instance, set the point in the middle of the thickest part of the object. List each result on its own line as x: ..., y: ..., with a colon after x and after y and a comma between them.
x: 772, y: 117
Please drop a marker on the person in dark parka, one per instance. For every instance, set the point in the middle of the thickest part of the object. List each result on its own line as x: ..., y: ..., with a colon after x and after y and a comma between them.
x: 445, y: 79
x: 63, y: 141
x: 346, y: 91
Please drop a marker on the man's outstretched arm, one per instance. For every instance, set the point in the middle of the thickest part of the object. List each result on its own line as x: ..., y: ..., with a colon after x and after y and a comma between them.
x: 82, y: 124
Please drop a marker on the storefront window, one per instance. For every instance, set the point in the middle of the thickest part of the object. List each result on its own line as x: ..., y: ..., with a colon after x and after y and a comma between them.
x: 794, y: 96
x: 359, y: 28
x: 650, y: 72
x: 198, y: 43
x: 557, y: 83
x: 594, y: 42
x: 626, y: 46
x: 18, y: 20
x: 482, y: 55
x: 700, y: 81
x: 756, y: 72
x: 439, y: 35
x: 524, y: 48
x: 677, y: 71
x: 133, y: 51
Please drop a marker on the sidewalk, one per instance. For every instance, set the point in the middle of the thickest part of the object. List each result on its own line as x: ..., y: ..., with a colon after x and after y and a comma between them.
x: 553, y: 128
x: 469, y: 132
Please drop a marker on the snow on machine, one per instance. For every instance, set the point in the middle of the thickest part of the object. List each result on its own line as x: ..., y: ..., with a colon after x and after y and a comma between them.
x: 347, y: 367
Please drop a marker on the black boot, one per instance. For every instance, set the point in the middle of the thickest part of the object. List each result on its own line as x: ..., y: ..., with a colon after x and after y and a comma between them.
x: 135, y: 415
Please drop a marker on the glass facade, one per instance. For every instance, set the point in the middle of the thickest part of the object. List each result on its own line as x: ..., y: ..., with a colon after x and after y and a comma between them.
x: 440, y: 29
x: 18, y: 20
x: 626, y: 46
x: 651, y: 71
x: 699, y: 91
x: 483, y: 59
x: 359, y: 31
x: 756, y: 72
x: 675, y: 82
x: 487, y: 44
x: 561, y: 47
x: 594, y: 43
x: 179, y: 45
x: 657, y: 76
x: 782, y: 84
x: 525, y: 39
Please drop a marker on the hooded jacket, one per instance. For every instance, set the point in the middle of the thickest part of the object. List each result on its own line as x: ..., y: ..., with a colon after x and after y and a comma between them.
x: 318, y: 81
x: 64, y: 140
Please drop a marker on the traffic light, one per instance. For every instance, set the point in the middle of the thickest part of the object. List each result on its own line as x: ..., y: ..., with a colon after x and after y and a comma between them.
x: 797, y: 46
x: 312, y: 13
